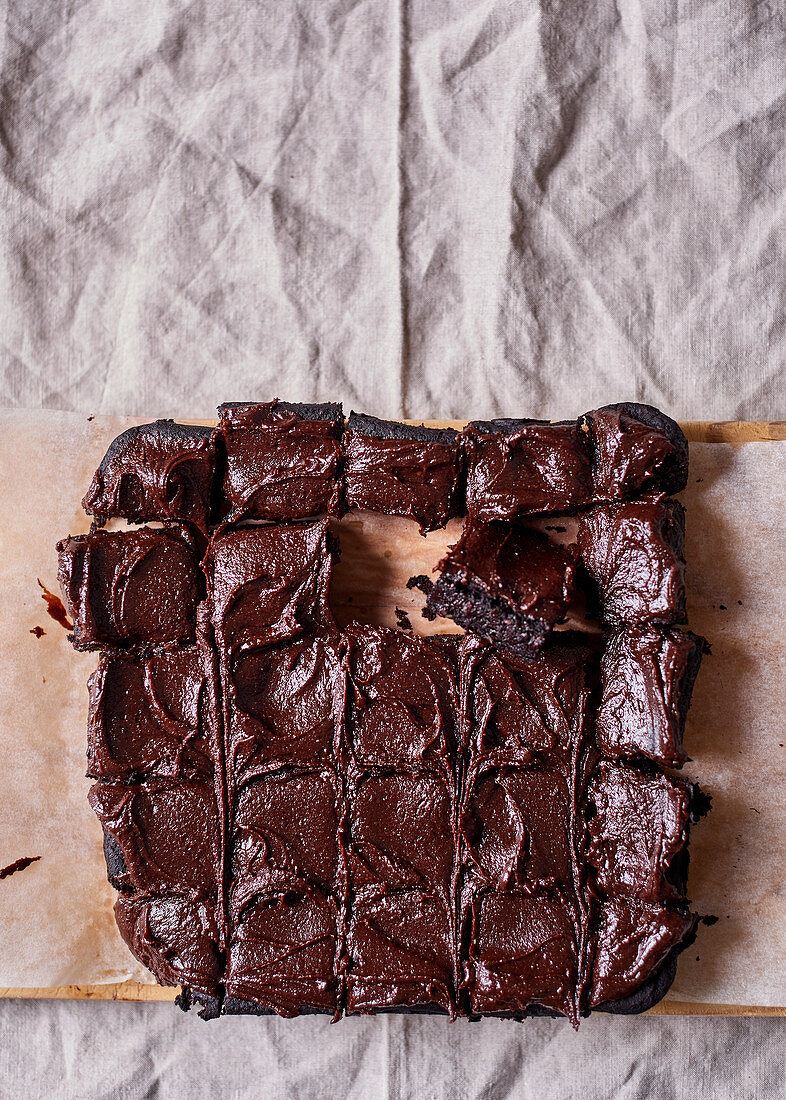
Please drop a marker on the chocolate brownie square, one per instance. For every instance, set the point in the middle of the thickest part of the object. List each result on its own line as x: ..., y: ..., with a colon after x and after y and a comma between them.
x: 174, y: 937
x: 400, y: 828
x: 633, y: 941
x: 280, y: 705
x: 285, y: 835
x: 167, y: 832
x: 124, y: 588
x: 268, y: 584
x: 522, y: 467
x: 150, y: 716
x: 400, y: 953
x: 401, y: 700
x: 282, y: 459
x: 506, y: 583
x: 402, y: 470
x: 515, y: 711
x: 517, y: 828
x: 638, y: 831
x: 522, y: 955
x: 647, y: 678
x: 283, y: 953
x: 635, y: 449
x: 158, y: 471
x: 634, y: 553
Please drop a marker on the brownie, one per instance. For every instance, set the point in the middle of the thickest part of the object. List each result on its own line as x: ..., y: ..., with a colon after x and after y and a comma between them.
x: 634, y: 554
x: 402, y: 470
x: 150, y: 716
x: 281, y: 459
x: 634, y: 449
x: 520, y: 712
x: 638, y: 828
x: 174, y: 937
x: 158, y: 471
x: 522, y: 953
x: 522, y: 467
x: 505, y: 582
x: 647, y: 678
x: 167, y: 832
x: 634, y: 940
x: 124, y: 588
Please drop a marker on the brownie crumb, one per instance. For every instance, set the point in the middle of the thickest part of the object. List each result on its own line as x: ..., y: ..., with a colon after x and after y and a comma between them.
x: 18, y: 865
x: 402, y: 619
x: 38, y: 631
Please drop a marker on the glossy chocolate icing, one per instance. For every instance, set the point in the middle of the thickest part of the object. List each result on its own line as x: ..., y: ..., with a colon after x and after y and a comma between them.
x: 301, y: 819
x: 401, y: 470
x: 520, y: 467
x: 647, y: 678
x: 506, y: 583
x: 149, y: 716
x: 282, y: 459
x: 635, y: 449
x: 126, y: 588
x: 158, y: 471
x: 634, y: 555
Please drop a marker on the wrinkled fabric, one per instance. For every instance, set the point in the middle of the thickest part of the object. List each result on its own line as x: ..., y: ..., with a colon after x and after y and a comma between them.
x: 424, y: 208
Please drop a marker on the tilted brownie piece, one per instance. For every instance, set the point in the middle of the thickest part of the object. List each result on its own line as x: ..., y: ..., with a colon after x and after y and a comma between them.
x: 638, y: 832
x: 517, y: 712
x: 634, y: 941
x: 149, y: 716
x: 158, y: 471
x: 167, y: 832
x: 506, y: 583
x: 282, y: 459
x: 400, y: 698
x: 635, y: 449
x: 125, y: 588
x: 522, y: 955
x: 269, y: 584
x: 401, y: 952
x: 520, y: 467
x: 634, y: 553
x: 647, y: 679
x: 402, y: 470
x: 174, y: 937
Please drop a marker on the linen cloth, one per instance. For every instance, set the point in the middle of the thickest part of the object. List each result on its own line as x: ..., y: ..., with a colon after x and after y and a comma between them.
x: 424, y: 208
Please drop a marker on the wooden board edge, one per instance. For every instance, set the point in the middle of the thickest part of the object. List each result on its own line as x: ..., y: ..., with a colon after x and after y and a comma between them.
x: 141, y: 992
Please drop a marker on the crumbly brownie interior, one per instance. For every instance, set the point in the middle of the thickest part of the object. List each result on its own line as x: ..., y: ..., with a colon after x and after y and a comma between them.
x: 302, y: 819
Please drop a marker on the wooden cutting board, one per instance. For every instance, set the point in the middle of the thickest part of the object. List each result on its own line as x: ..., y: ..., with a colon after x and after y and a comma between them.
x: 348, y: 593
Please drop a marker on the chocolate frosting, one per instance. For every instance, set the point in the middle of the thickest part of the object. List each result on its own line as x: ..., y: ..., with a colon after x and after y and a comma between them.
x: 635, y: 449
x: 518, y: 468
x: 158, y: 471
x: 173, y: 937
x: 282, y: 459
x: 647, y: 678
x: 401, y: 471
x: 634, y: 554
x: 130, y: 587
x: 149, y: 716
x: 506, y: 583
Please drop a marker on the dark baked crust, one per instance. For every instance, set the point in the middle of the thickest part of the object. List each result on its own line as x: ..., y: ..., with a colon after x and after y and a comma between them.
x: 375, y: 428
x: 665, y: 473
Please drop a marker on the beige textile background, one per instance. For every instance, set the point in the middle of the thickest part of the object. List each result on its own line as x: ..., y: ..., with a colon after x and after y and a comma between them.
x: 422, y: 208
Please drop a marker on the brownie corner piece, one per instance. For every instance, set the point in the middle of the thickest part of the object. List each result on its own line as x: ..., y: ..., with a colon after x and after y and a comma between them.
x: 507, y: 583
x: 281, y: 459
x: 635, y: 448
x: 634, y: 554
x: 402, y: 469
x: 157, y: 471
x: 647, y: 678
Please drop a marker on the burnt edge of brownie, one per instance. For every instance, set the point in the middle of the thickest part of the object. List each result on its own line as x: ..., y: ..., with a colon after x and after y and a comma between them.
x: 188, y: 998
x: 116, y: 870
x: 169, y: 428
x: 393, y: 429
x: 672, y: 477
x: 328, y: 410
x: 509, y: 425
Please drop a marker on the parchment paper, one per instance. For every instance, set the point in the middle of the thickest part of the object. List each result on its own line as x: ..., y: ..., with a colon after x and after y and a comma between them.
x: 56, y: 924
